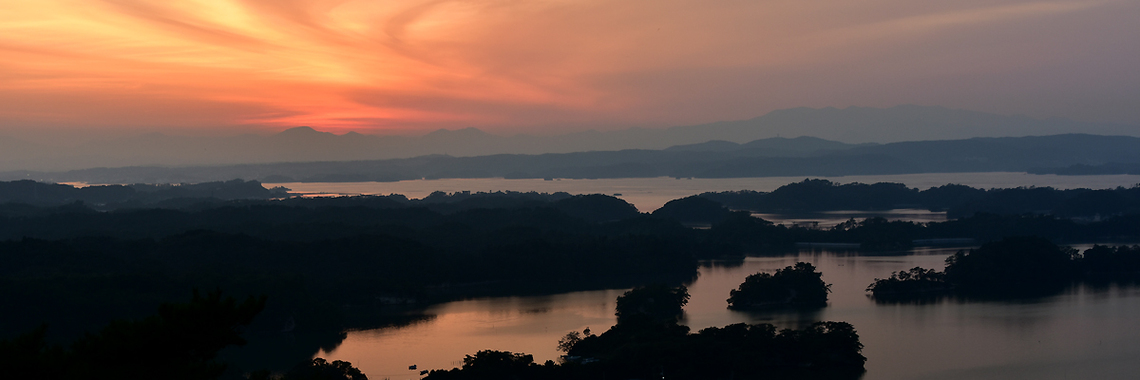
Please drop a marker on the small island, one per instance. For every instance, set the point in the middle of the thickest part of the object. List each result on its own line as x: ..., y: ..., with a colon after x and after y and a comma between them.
x: 796, y: 285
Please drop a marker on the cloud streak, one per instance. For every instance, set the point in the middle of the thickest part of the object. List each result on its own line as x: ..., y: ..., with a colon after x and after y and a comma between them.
x: 522, y: 66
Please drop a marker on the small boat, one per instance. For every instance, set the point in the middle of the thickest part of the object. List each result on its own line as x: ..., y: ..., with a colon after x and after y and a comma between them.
x: 412, y: 367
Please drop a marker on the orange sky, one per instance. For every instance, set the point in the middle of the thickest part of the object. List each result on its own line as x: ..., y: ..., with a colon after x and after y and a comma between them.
x: 535, y: 66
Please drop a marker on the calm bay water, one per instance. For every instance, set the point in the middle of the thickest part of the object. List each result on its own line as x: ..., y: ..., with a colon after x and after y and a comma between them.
x: 1083, y: 333
x: 828, y: 219
x: 648, y: 194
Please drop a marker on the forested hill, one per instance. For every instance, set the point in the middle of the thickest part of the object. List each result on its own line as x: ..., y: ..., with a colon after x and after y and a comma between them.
x: 769, y: 157
x: 135, y: 195
x: 956, y: 200
x: 810, y: 195
x: 328, y: 264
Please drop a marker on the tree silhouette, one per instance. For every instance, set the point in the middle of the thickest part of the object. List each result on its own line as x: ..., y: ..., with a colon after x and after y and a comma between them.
x: 319, y: 369
x: 657, y: 302
x: 797, y: 284
x: 180, y: 342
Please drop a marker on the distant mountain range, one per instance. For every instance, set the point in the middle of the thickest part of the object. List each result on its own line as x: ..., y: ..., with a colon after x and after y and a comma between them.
x: 802, y: 156
x: 835, y: 129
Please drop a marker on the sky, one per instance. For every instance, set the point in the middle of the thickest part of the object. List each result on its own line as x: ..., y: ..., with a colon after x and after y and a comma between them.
x: 549, y: 66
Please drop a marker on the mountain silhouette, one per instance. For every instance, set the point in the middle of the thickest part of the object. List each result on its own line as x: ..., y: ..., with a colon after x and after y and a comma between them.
x: 761, y: 158
x: 778, y: 133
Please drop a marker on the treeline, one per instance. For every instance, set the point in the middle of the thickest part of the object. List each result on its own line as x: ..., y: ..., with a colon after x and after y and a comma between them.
x: 473, y: 224
x: 956, y: 200
x: 333, y: 254
x: 436, y: 219
x: 134, y: 195
x: 810, y: 195
x: 327, y: 264
x: 797, y: 286
x: 648, y: 342
x: 1015, y: 266
x: 758, y: 236
x: 17, y: 196
x: 182, y: 341
x: 340, y: 256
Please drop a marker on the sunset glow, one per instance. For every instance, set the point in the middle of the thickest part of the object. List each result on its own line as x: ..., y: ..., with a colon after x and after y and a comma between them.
x: 542, y: 66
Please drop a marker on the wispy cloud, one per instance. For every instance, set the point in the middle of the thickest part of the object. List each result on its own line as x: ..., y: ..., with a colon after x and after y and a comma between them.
x: 381, y: 65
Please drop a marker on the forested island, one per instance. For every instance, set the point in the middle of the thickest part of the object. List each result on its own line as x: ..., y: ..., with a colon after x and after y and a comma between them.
x: 648, y: 342
x: 798, y: 285
x: 1014, y: 266
x: 331, y: 264
x: 957, y: 201
x: 809, y: 195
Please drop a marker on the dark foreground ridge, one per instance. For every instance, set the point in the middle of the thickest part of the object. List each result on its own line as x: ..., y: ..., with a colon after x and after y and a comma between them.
x: 181, y: 342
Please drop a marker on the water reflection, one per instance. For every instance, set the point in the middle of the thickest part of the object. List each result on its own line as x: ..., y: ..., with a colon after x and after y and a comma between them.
x: 792, y: 318
x: 829, y: 219
x: 1083, y: 331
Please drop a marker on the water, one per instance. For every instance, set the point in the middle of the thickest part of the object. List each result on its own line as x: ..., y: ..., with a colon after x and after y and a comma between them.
x: 828, y: 219
x: 649, y: 194
x: 1080, y: 334
x: 1083, y: 333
